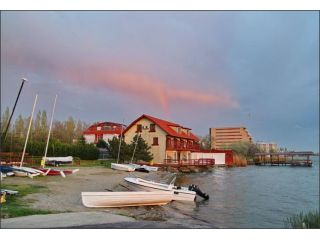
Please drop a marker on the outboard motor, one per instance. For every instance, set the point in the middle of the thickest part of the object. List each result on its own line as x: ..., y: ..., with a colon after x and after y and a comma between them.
x: 198, y: 191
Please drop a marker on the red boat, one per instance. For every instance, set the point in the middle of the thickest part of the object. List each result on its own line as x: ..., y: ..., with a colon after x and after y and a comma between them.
x: 55, y: 172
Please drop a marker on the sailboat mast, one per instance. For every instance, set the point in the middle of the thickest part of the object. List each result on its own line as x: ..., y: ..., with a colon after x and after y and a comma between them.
x: 135, y: 146
x: 120, y: 143
x: 4, y: 135
x: 30, y: 122
x: 45, y: 153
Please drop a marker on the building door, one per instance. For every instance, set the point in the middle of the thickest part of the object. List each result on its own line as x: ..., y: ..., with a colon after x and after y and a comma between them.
x: 178, y: 156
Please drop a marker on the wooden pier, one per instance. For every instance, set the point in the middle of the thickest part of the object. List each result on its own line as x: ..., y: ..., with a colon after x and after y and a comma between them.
x: 294, y: 159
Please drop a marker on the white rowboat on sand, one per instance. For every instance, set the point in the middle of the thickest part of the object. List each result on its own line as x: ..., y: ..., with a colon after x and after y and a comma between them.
x: 125, y: 199
x: 122, y: 167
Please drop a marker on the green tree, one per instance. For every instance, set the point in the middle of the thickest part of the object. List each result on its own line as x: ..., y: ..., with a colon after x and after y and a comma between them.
x: 125, y: 150
x: 4, y: 119
x: 70, y: 127
x: 37, y: 126
x: 142, y: 149
x: 78, y: 130
x: 242, y: 148
x: 19, y: 127
x: 101, y: 144
x: 205, y: 142
x: 43, y: 126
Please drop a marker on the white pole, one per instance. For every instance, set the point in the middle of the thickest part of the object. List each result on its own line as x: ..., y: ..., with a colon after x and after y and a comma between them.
x: 135, y: 146
x: 120, y: 144
x: 25, y: 144
x: 45, y: 153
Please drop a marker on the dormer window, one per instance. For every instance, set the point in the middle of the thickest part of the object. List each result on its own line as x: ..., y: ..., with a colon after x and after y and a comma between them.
x: 152, y: 127
x: 139, y: 128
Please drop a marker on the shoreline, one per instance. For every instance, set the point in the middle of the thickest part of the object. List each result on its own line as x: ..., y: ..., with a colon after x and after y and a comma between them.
x: 62, y: 196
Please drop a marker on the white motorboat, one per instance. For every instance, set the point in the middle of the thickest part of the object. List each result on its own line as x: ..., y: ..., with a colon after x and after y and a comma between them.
x: 125, y: 199
x: 179, y: 193
x: 122, y: 167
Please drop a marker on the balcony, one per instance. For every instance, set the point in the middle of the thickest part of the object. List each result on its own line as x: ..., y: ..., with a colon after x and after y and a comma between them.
x: 182, y: 147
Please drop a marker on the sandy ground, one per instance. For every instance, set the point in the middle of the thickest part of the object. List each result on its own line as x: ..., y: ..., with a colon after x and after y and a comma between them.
x: 63, y: 195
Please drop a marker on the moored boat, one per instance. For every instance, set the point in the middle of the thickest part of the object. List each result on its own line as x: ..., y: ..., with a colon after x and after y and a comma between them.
x: 56, y: 161
x: 179, y: 193
x: 122, y: 167
x: 125, y: 199
x: 55, y: 172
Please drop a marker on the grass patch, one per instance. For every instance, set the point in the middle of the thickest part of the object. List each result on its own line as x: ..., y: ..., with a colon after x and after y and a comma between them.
x: 15, y: 206
x: 304, y: 220
x: 92, y: 163
x: 108, y: 163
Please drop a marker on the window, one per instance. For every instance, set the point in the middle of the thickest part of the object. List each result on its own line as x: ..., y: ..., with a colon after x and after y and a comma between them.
x: 155, y: 141
x: 152, y: 127
x: 139, y: 128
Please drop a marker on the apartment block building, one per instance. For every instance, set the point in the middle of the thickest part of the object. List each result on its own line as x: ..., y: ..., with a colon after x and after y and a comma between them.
x: 267, y: 146
x: 224, y: 136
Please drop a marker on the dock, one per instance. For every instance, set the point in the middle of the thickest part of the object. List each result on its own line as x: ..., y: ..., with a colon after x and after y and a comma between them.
x: 294, y: 159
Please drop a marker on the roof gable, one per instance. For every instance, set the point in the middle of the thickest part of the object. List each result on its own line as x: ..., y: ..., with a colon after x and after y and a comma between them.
x: 165, y: 126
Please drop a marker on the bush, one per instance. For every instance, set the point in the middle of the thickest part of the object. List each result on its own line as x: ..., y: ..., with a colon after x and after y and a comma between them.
x: 58, y: 149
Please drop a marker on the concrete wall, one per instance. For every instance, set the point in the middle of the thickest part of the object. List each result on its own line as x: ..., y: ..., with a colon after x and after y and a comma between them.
x: 159, y: 152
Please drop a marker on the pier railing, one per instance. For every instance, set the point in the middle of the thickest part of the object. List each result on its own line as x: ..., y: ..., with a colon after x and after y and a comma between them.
x: 189, y: 162
x: 284, y: 158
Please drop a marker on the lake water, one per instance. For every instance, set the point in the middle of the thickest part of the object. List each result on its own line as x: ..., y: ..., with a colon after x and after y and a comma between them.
x: 250, y: 197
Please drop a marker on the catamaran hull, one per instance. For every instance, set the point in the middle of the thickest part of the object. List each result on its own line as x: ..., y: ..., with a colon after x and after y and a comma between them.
x: 125, y: 199
x: 55, y: 172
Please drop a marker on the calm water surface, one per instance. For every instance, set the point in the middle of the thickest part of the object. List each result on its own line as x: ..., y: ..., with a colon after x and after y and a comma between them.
x: 251, y: 197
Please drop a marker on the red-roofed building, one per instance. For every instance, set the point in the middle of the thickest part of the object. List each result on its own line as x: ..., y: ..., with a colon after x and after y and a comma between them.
x: 103, y: 130
x: 168, y: 140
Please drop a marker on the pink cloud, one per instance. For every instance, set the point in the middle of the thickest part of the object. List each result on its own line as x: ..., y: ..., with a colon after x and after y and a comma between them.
x: 141, y: 86
x: 148, y: 89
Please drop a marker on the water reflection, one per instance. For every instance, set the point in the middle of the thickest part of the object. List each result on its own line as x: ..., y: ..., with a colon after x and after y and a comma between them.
x: 252, y: 197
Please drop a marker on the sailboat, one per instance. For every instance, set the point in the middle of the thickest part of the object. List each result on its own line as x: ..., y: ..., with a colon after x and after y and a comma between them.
x: 118, y: 166
x: 50, y: 171
x: 21, y: 171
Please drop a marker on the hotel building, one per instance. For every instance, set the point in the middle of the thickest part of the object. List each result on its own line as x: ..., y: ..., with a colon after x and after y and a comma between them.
x: 222, y: 137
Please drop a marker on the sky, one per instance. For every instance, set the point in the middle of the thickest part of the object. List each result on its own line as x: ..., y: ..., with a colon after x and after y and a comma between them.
x: 201, y: 69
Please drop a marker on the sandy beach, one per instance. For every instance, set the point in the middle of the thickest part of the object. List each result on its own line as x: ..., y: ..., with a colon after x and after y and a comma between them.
x: 63, y: 195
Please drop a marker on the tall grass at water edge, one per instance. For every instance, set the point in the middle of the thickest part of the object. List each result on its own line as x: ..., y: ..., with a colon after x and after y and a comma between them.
x: 304, y: 220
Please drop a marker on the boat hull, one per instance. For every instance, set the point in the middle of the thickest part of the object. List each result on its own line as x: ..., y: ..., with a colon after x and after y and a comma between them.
x: 55, y: 172
x: 122, y: 167
x: 125, y: 199
x: 182, y: 194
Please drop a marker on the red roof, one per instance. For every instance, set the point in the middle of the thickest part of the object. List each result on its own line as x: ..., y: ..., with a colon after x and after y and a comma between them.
x: 166, y: 126
x: 115, y: 128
